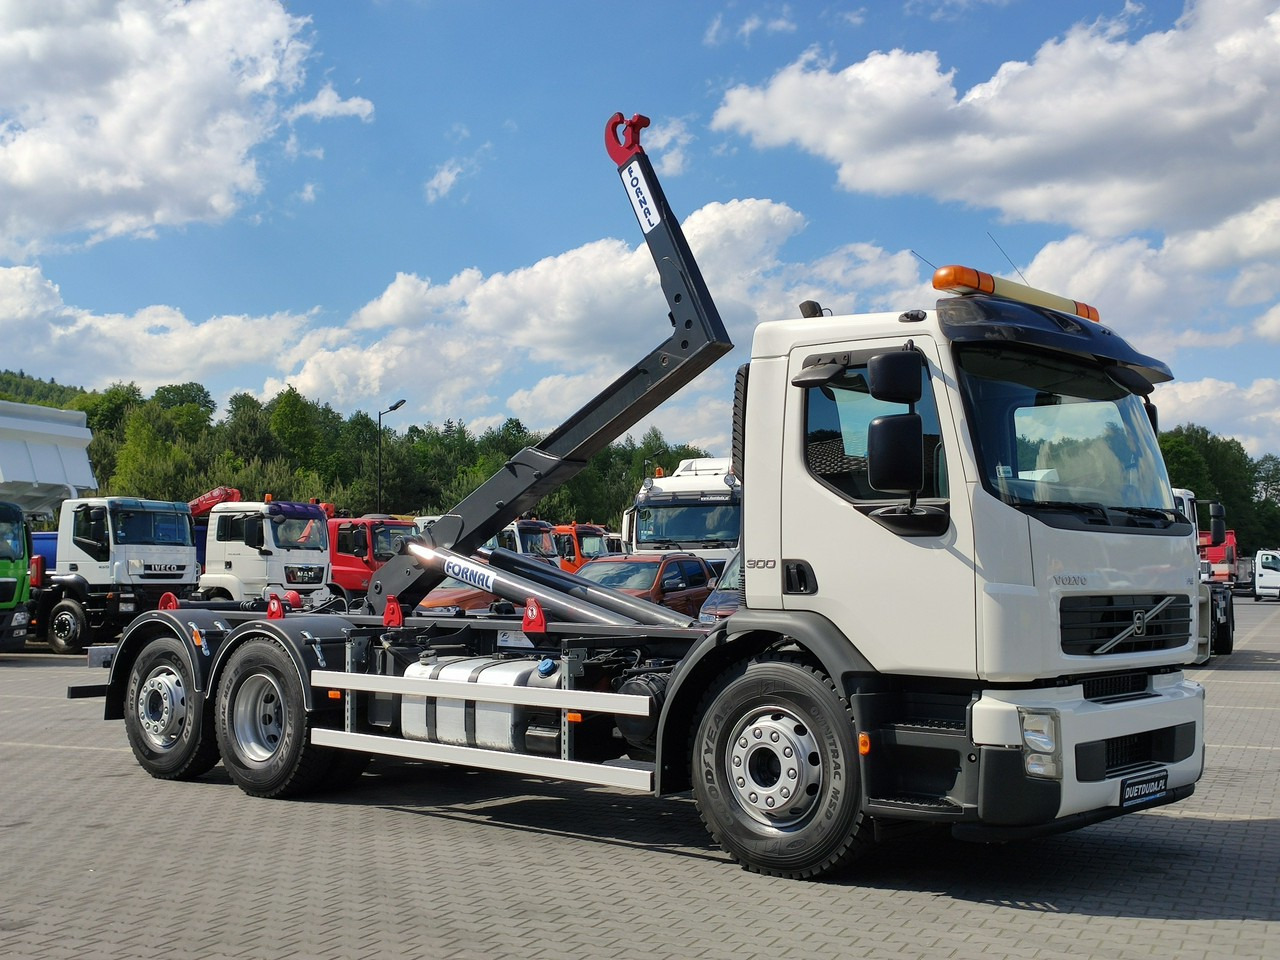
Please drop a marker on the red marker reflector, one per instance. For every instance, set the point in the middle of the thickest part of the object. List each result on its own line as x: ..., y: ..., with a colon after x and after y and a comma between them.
x: 535, y: 619
x: 167, y: 602
x: 275, y: 608
x: 957, y: 279
x: 392, y: 615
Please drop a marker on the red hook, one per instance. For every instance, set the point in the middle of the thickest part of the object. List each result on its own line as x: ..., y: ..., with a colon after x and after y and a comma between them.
x: 624, y: 148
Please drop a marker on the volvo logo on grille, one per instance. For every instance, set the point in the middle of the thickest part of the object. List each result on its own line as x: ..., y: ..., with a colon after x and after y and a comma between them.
x: 1136, y: 629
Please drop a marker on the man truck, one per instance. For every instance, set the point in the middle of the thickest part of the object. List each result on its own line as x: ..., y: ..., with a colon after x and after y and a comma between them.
x: 968, y: 598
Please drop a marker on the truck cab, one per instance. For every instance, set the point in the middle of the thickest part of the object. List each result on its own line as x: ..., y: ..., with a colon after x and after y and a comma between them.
x: 116, y: 557
x: 15, y: 583
x: 576, y: 543
x: 256, y: 547
x: 1266, y: 575
x: 697, y: 508
x: 360, y: 545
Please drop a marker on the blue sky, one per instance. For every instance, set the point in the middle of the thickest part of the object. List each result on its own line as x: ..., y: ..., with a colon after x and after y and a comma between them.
x: 377, y: 199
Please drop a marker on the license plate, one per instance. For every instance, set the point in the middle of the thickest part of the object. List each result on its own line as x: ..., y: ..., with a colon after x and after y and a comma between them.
x: 1136, y: 791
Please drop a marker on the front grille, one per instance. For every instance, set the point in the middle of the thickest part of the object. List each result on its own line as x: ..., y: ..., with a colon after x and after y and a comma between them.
x: 1116, y: 686
x: 1089, y: 623
x: 1124, y: 752
x: 1119, y: 756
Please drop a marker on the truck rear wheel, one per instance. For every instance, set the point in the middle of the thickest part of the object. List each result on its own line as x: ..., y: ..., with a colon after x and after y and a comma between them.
x: 264, y: 729
x: 776, y: 770
x: 68, y: 627
x: 167, y: 720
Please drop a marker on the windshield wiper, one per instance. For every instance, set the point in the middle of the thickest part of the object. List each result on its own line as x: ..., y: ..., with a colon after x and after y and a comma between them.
x: 1150, y: 513
x: 1068, y: 506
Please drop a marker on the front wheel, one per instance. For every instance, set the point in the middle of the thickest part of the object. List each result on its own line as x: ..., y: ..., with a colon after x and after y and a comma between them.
x: 264, y: 729
x: 775, y: 770
x: 68, y: 627
x: 167, y: 720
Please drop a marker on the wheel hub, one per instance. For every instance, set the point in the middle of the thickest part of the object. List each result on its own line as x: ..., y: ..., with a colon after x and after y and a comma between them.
x: 162, y: 708
x: 258, y: 717
x: 774, y: 767
x: 64, y: 627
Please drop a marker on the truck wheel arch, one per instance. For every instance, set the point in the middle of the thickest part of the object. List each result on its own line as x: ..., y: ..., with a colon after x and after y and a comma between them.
x: 288, y: 634
x: 741, y: 637
x: 148, y: 627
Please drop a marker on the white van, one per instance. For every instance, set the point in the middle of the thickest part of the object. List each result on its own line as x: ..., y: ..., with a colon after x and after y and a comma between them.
x: 1266, y: 574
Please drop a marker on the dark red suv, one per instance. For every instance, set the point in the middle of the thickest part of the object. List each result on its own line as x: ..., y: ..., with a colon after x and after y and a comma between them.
x: 680, y: 581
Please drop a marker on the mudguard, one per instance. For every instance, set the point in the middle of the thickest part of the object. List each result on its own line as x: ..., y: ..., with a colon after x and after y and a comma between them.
x: 210, y: 637
x: 740, y: 637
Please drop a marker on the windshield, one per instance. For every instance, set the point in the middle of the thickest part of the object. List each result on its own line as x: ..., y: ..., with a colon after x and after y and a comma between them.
x: 687, y: 524
x: 538, y: 543
x: 11, y: 538
x: 621, y: 574
x: 384, y: 540
x: 592, y: 544
x: 1056, y: 434
x: 151, y: 527
x: 300, y: 533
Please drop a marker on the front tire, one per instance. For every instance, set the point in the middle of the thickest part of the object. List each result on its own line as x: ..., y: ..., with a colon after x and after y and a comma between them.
x: 68, y: 627
x: 167, y: 720
x: 775, y: 770
x: 264, y: 730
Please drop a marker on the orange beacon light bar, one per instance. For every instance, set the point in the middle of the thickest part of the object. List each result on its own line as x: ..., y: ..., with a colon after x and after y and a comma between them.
x: 955, y: 279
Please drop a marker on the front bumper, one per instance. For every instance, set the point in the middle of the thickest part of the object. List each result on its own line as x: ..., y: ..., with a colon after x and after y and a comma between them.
x: 1148, y: 744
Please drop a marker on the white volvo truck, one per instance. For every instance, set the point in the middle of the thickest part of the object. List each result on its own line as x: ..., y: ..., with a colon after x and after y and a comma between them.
x: 968, y: 599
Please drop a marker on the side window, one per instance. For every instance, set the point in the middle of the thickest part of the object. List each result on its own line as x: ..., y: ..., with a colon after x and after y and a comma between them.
x: 695, y: 574
x: 81, y: 529
x: 837, y: 416
x: 230, y: 528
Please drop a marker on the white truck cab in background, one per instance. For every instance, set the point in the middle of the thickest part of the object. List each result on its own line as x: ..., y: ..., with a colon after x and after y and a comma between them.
x: 256, y: 547
x: 696, y: 508
x: 1266, y: 575
x: 116, y: 557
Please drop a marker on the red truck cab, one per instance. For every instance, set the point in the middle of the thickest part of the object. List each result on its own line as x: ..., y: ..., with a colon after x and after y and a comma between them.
x: 360, y: 545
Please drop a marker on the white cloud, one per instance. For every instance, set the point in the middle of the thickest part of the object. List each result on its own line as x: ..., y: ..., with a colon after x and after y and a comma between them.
x: 441, y: 183
x: 327, y: 104
x: 667, y: 144
x: 1103, y: 132
x: 120, y: 118
x: 49, y: 334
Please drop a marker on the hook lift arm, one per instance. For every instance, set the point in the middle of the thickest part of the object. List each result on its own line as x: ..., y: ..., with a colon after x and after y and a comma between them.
x: 697, y: 340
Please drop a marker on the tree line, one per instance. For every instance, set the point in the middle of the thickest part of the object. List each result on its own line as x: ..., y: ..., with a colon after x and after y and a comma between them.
x: 168, y: 446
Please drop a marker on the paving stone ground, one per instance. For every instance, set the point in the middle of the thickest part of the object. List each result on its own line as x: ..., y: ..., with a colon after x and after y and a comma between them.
x: 98, y: 860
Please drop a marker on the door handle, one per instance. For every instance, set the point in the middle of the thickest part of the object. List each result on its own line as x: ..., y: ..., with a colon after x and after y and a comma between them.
x: 798, y: 577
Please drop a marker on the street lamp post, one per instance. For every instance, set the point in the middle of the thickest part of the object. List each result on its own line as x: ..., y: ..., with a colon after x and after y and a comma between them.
x: 395, y: 406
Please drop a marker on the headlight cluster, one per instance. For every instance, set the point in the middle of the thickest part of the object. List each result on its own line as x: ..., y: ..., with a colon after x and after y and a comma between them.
x: 1041, y: 743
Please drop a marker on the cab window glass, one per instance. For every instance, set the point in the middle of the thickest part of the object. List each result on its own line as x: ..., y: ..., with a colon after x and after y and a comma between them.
x: 837, y: 416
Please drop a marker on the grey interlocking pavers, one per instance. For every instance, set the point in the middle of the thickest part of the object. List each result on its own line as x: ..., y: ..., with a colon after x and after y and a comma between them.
x: 98, y: 860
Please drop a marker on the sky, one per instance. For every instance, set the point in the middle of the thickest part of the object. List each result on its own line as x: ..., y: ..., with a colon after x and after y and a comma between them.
x: 372, y: 200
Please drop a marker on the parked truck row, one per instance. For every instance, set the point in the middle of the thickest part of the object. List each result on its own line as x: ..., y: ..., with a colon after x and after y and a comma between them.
x: 967, y: 598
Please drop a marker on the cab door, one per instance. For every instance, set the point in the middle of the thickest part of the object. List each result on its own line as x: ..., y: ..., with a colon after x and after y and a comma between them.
x: 905, y: 600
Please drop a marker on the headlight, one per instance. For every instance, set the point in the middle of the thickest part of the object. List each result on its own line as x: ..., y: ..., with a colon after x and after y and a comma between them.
x: 20, y: 617
x: 1041, y: 752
